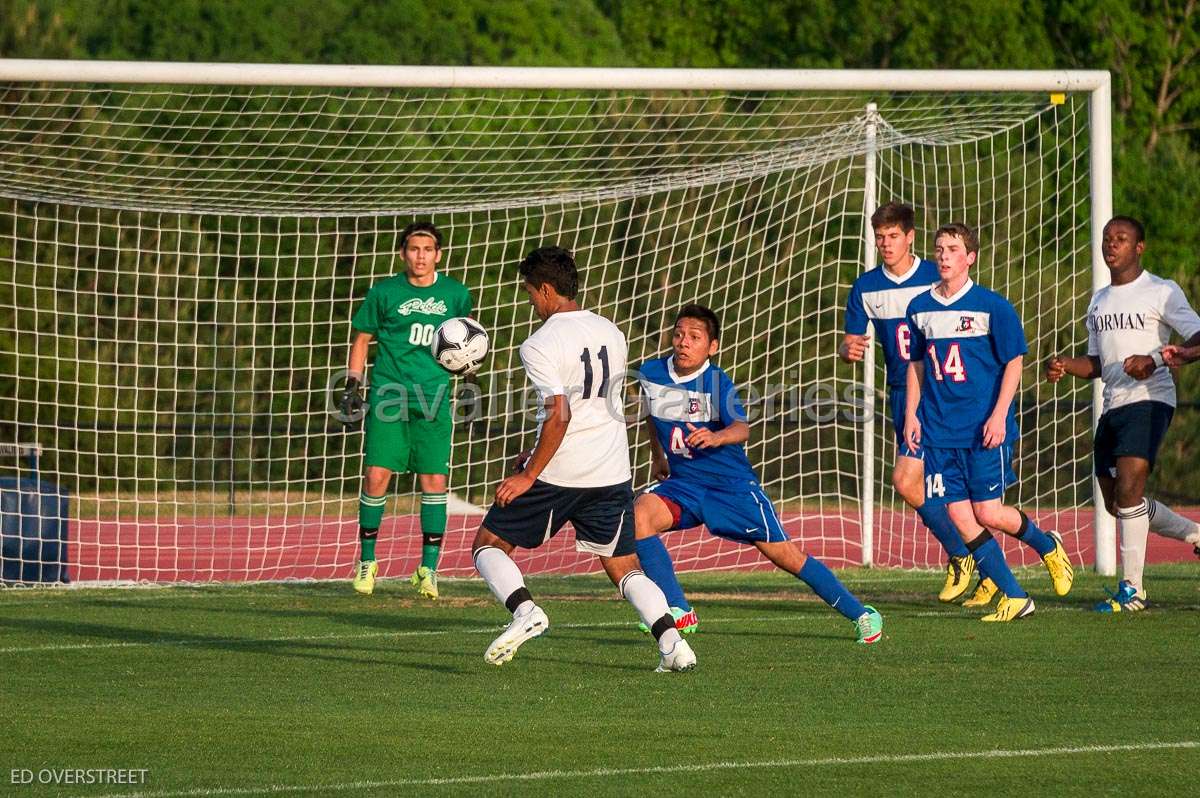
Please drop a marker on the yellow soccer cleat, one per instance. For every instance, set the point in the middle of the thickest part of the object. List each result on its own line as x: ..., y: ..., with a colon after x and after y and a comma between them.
x: 364, y: 576
x: 985, y: 591
x: 425, y: 580
x: 1010, y: 609
x: 958, y: 578
x: 1059, y: 566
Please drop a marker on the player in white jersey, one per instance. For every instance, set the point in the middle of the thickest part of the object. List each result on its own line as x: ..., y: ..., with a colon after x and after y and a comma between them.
x: 1129, y: 322
x: 579, y: 469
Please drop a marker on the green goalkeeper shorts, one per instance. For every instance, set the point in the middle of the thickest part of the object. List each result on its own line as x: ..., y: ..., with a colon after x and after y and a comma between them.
x: 417, y: 444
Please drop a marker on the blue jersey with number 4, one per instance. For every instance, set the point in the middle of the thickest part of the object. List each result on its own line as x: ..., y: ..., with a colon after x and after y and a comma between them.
x: 880, y: 298
x: 965, y: 342
x: 705, y: 399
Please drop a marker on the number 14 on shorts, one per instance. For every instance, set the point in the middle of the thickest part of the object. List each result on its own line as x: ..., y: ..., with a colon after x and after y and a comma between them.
x: 934, y: 486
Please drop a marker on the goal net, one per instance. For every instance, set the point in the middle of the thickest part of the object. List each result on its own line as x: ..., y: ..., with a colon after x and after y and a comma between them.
x: 180, y: 264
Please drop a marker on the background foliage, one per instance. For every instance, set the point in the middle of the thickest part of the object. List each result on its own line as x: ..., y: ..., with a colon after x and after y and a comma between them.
x: 1152, y: 49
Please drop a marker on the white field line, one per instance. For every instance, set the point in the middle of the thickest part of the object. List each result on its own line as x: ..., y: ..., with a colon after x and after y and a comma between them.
x: 546, y: 775
x: 231, y: 641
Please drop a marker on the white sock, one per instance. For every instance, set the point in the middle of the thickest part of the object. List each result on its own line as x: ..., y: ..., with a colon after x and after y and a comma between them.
x: 648, y: 599
x: 1170, y: 524
x: 1135, y: 526
x: 502, y: 576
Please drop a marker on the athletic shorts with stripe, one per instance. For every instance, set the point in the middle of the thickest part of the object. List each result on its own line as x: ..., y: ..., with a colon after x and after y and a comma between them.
x: 978, y: 474
x: 737, y: 511
x: 602, y: 517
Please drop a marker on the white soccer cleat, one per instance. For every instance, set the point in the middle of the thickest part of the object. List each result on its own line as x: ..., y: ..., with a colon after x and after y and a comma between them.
x: 680, y: 658
x: 523, y: 627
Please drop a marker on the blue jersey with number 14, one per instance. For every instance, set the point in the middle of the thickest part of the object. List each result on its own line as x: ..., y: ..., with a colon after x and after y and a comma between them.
x: 705, y: 399
x: 965, y: 342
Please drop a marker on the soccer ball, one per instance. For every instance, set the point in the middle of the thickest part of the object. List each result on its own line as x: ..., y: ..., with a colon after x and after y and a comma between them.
x: 459, y: 345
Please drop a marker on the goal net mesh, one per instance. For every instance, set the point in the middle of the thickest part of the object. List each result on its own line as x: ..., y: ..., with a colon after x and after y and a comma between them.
x: 179, y: 266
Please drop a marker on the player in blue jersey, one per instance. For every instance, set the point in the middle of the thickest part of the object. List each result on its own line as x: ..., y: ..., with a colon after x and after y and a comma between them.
x: 697, y: 427
x: 879, y: 298
x: 963, y: 375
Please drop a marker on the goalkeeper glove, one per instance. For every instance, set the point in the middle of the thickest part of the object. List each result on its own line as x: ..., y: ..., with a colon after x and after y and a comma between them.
x: 351, y: 405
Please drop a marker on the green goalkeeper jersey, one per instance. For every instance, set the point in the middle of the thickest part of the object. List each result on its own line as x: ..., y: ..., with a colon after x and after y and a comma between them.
x: 403, y: 317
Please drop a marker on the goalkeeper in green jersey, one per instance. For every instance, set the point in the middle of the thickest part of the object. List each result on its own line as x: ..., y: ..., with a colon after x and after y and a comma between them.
x: 407, y: 424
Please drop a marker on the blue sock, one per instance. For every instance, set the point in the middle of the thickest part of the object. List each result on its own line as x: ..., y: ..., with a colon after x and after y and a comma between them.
x: 826, y: 585
x: 658, y: 566
x: 989, y: 558
x: 1034, y: 538
x: 937, y: 518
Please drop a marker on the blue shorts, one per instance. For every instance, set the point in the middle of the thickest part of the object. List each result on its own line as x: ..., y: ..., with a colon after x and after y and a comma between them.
x: 738, y: 511
x: 978, y: 474
x: 897, y: 397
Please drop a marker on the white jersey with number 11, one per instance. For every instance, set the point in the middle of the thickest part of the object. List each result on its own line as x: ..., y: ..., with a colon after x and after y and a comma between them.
x: 582, y: 356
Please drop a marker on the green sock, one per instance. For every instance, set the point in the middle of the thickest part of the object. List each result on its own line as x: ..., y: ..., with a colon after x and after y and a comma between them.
x: 431, y: 549
x: 370, y: 515
x: 433, y: 526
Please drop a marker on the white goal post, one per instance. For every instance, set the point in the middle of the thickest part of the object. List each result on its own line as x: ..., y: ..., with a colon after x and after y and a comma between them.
x: 182, y: 246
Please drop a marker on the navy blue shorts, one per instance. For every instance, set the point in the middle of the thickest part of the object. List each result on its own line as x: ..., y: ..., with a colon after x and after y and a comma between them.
x: 1133, y: 430
x: 602, y: 517
x: 978, y: 474
x: 738, y: 511
x: 897, y: 397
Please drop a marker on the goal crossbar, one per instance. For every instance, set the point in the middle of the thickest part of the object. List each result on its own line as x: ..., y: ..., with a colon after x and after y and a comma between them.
x: 469, y: 77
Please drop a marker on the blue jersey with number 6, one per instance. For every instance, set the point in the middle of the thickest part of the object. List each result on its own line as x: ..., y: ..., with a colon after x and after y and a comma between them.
x: 879, y: 298
x: 705, y: 399
x: 965, y: 341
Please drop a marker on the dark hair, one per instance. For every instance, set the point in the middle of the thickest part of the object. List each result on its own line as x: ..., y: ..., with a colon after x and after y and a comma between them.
x: 893, y: 213
x: 1137, y: 226
x: 420, y: 228
x: 553, y: 265
x: 701, y: 313
x: 959, y: 230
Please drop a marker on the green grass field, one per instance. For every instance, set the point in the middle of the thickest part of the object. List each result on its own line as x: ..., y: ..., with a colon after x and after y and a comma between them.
x: 309, y: 689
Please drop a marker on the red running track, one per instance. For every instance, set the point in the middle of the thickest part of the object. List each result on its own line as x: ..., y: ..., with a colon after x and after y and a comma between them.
x: 253, y: 549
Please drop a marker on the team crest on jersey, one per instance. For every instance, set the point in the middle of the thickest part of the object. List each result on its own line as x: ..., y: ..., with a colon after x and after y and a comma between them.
x: 693, y: 406
x: 965, y: 323
x: 431, y: 306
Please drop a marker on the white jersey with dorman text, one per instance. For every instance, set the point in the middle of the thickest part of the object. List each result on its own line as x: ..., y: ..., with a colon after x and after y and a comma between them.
x: 1137, y: 319
x: 582, y: 356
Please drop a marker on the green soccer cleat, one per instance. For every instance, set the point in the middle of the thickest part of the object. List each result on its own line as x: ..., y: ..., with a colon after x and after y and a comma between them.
x: 685, y: 621
x: 869, y: 626
x: 985, y: 591
x: 425, y: 580
x: 1059, y: 566
x: 364, y: 576
x: 959, y: 571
